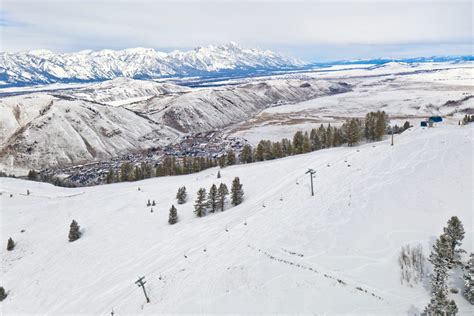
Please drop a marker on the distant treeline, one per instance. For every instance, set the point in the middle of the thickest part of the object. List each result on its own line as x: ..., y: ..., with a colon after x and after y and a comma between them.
x: 352, y: 131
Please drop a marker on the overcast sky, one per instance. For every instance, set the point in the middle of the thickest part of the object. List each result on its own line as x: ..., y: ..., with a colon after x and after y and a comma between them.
x: 311, y: 30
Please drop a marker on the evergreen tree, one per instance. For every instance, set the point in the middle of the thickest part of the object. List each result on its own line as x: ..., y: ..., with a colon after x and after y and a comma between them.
x: 200, y: 203
x: 322, y: 136
x: 110, y: 176
x: 277, y: 150
x: 452, y: 309
x: 306, y: 148
x: 74, y: 233
x: 440, y: 305
x: 314, y: 139
x: 125, y: 172
x: 338, y: 139
x: 246, y: 154
x: 406, y: 125
x: 440, y: 257
x: 10, y: 244
x: 222, y: 161
x: 32, y: 175
x: 465, y: 119
x: 138, y: 175
x: 455, y: 230
x: 3, y: 294
x: 329, y: 136
x: 222, y: 192
x: 380, y: 124
x: 298, y: 140
x: 259, y: 152
x: 181, y: 196
x: 236, y: 192
x: 286, y: 147
x: 369, y: 129
x: 267, y: 150
x: 212, y: 199
x: 159, y: 171
x: 230, y: 157
x: 469, y: 280
x: 352, y: 131
x: 173, y: 218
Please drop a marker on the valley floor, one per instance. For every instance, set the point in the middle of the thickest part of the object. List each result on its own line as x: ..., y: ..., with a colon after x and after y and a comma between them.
x: 282, y: 250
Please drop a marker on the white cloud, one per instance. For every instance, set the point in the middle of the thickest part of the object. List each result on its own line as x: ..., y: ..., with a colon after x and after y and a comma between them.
x: 74, y: 25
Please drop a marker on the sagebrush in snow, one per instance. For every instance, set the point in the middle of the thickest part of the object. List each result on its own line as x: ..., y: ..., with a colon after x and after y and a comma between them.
x: 412, y: 264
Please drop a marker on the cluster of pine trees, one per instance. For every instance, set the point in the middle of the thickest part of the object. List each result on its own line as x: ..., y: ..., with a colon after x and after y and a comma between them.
x: 467, y: 119
x: 170, y: 166
x: 374, y: 127
x: 444, y: 256
x: 215, y: 199
x: 35, y: 176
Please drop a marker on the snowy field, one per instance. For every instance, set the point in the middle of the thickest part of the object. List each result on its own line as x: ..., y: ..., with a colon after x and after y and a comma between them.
x: 285, y: 257
x: 404, y: 91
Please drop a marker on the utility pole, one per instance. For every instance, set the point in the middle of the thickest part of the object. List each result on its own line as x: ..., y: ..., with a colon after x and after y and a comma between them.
x: 311, y: 172
x: 141, y: 284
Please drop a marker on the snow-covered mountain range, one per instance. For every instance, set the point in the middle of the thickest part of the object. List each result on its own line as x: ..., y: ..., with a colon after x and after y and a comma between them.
x: 43, y: 66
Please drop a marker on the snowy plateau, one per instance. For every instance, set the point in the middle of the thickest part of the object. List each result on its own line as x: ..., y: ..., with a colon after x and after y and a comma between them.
x: 281, y: 250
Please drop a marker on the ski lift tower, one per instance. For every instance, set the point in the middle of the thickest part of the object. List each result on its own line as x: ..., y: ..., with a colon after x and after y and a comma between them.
x: 311, y: 173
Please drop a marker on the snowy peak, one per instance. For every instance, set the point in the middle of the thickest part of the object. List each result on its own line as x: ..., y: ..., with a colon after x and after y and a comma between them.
x: 42, y: 66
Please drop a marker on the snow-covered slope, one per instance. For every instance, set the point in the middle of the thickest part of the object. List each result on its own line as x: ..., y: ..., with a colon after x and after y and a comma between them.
x: 121, y: 91
x: 212, y: 108
x: 286, y: 257
x: 44, y: 130
x: 39, y: 67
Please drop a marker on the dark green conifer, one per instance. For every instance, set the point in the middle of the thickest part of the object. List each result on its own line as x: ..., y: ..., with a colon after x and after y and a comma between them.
x: 237, y: 192
x: 173, y: 217
x: 200, y: 203
x: 10, y: 244
x: 74, y: 233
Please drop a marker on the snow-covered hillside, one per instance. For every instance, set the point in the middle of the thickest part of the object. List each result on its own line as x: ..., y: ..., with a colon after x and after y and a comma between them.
x: 286, y: 257
x: 42, y: 66
x: 213, y: 108
x: 44, y: 130
x: 121, y: 91
x: 120, y: 116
